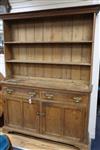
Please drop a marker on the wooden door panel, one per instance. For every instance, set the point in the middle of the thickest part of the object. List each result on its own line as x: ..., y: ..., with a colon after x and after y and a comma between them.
x: 73, y: 122
x: 30, y: 117
x: 14, y: 112
x: 52, y: 122
x: 66, y: 121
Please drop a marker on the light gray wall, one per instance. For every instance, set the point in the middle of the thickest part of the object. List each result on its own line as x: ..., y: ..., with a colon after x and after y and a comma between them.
x: 2, y: 64
x: 95, y: 78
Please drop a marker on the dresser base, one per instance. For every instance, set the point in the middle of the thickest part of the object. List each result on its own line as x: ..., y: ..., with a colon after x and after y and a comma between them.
x: 78, y: 145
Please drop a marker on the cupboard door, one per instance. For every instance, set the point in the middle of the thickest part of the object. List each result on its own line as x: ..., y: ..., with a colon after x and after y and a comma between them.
x: 30, y: 115
x: 66, y: 121
x: 74, y: 122
x: 13, y: 112
x: 52, y: 120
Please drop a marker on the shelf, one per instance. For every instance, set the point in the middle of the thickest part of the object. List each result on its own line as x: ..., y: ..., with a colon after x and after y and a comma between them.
x: 48, y: 62
x: 49, y: 42
x: 70, y: 85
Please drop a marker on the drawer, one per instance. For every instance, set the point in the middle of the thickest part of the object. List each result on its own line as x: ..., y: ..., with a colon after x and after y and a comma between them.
x: 20, y: 92
x: 64, y: 97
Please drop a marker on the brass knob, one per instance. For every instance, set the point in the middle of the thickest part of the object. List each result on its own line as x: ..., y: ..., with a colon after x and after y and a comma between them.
x: 77, y: 99
x: 9, y: 91
x: 32, y: 94
x: 38, y: 114
x: 49, y: 96
x: 30, y: 100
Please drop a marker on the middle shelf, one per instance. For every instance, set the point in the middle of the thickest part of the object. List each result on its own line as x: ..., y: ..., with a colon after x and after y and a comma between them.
x: 56, y: 54
x: 48, y: 62
x: 49, y: 42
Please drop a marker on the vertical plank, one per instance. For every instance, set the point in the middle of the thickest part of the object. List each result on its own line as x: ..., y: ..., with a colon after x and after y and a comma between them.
x: 21, y: 68
x: 77, y: 28
x: 47, y: 53
x: 66, y: 53
x: 9, y: 70
x: 8, y: 53
x: 47, y: 71
x: 56, y: 31
x: 67, y: 26
x: 66, y: 72
x: 14, y: 32
x: 57, y: 72
x: 30, y: 53
x: 57, y: 54
x: 75, y: 73
x: 38, y: 53
x: 87, y: 28
x: 47, y: 31
x: 39, y: 71
x: 76, y: 53
x: 86, y: 54
x: 22, y: 32
x: 16, y: 69
x: 38, y: 57
x: 7, y: 31
x: 31, y: 70
x: 15, y: 51
x: 38, y: 36
x: 30, y: 32
x: 85, y: 73
x: 24, y: 69
x: 23, y: 52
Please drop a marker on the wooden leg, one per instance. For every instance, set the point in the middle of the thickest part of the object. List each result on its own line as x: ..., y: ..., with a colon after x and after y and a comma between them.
x: 4, y: 130
x: 85, y: 147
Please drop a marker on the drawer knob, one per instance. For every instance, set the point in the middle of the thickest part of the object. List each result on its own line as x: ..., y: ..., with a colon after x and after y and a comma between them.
x: 38, y: 114
x: 49, y: 96
x: 9, y: 91
x: 77, y: 99
x: 32, y: 94
x: 30, y: 101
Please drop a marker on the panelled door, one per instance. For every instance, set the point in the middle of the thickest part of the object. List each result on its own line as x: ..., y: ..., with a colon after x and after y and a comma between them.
x: 31, y: 119
x: 74, y: 122
x: 62, y: 120
x: 52, y: 120
x: 13, y: 112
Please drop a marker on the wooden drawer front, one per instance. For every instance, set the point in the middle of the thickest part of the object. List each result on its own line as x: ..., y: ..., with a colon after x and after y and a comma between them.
x: 65, y: 97
x: 19, y: 92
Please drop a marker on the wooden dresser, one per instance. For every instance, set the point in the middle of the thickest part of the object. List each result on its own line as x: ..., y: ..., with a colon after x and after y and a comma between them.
x: 48, y: 56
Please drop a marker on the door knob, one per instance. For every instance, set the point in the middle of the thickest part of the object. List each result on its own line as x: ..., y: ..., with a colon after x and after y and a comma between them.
x: 77, y: 99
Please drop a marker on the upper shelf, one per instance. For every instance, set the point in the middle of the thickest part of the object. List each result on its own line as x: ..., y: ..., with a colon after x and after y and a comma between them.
x: 49, y: 42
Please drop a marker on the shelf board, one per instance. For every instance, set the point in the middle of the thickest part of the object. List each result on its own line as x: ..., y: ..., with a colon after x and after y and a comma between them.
x: 49, y: 42
x: 48, y: 62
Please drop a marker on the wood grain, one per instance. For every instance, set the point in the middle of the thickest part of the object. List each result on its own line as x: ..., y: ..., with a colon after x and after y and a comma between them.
x: 48, y: 65
x: 37, y: 144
